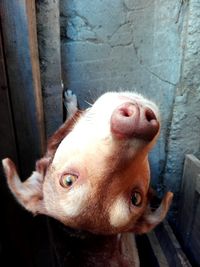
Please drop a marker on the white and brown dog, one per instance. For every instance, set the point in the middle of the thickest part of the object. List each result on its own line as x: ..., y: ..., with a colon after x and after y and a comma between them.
x: 95, y: 176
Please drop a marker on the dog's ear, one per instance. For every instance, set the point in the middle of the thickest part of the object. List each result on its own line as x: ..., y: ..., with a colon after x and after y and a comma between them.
x: 152, y: 218
x: 29, y: 193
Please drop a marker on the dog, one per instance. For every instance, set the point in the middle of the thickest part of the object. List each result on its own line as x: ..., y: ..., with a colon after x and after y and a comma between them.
x: 95, y: 177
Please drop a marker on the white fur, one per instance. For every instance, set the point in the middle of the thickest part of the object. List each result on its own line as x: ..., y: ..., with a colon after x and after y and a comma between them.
x: 70, y: 102
x: 33, y: 185
x: 157, y: 215
x: 29, y: 188
x: 94, y: 125
x: 119, y: 212
x: 75, y: 201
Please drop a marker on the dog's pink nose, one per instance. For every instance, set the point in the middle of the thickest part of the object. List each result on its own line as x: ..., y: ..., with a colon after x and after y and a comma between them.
x: 131, y: 120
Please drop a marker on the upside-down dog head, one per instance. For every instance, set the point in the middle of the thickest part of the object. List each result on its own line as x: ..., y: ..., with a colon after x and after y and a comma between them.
x: 95, y: 175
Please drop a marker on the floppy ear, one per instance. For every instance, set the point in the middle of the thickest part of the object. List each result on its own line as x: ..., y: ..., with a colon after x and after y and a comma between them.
x: 29, y: 193
x: 152, y: 218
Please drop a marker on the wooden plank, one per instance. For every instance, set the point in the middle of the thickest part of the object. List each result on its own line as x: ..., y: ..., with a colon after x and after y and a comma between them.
x: 187, y: 199
x: 7, y: 136
x: 171, y: 247
x: 146, y: 254
x: 198, y: 184
x: 155, y: 244
x: 19, y: 35
x: 194, y: 242
x: 9, y: 208
x: 48, y: 23
x: 33, y: 45
x: 189, y: 212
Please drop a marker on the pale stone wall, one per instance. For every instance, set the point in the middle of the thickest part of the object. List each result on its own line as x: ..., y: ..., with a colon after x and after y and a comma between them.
x: 124, y: 45
x: 184, y: 136
x: 148, y: 46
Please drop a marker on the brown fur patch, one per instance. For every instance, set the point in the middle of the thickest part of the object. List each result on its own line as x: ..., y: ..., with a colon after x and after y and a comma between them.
x: 54, y: 141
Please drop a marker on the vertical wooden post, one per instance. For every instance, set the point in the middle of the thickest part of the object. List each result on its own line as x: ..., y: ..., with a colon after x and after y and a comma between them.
x: 18, y: 20
x: 33, y: 44
x: 7, y: 135
x: 48, y: 23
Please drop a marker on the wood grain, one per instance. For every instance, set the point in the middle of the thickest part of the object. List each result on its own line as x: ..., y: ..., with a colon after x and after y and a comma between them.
x: 7, y: 135
x: 189, y: 211
x: 19, y: 40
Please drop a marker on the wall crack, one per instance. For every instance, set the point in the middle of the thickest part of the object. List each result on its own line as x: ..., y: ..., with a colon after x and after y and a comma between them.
x: 147, y: 68
x: 128, y: 8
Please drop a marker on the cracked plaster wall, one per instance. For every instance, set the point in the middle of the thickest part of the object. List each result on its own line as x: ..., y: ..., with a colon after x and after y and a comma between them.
x: 131, y: 45
x: 184, y: 136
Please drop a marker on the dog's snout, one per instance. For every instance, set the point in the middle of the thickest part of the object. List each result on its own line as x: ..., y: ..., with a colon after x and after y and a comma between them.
x: 133, y: 120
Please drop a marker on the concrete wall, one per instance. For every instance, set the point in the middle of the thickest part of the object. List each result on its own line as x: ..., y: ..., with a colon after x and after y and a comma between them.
x: 184, y: 136
x: 138, y: 45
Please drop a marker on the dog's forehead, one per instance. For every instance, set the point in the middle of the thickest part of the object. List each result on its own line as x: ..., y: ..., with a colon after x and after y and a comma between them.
x: 92, y: 130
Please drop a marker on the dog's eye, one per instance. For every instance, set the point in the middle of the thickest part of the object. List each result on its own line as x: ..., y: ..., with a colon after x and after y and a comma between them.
x: 136, y: 199
x: 68, y: 179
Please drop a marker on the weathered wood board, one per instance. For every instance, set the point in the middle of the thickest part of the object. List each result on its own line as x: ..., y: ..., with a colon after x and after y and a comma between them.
x: 170, y: 246
x: 18, y: 23
x: 189, y: 208
x: 7, y: 136
x: 48, y: 25
x: 160, y: 248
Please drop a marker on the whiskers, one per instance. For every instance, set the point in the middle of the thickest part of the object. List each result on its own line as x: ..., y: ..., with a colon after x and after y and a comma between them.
x: 88, y: 103
x: 89, y: 115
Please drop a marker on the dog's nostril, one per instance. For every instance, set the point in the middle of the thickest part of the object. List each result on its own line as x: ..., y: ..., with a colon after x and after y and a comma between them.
x: 149, y: 114
x: 132, y: 120
x: 124, y: 119
x: 126, y: 112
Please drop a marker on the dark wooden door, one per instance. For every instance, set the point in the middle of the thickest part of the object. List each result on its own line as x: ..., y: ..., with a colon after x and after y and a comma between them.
x: 23, y: 239
x: 189, y: 210
x: 11, y: 234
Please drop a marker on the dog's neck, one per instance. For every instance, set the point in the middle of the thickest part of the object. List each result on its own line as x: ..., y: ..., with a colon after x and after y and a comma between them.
x: 75, y: 248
